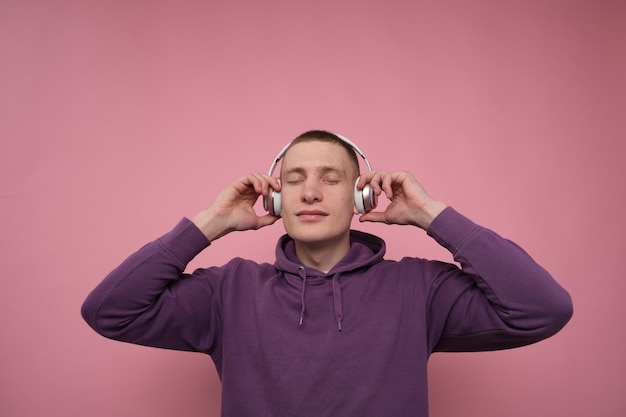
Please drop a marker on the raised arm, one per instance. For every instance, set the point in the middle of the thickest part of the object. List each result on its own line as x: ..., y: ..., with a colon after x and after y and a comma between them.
x: 149, y: 300
x: 500, y: 298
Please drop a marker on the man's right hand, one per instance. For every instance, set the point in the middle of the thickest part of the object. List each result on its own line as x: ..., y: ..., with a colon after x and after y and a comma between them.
x: 233, y: 208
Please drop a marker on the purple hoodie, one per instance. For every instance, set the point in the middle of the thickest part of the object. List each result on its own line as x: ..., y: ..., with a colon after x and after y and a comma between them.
x: 290, y: 341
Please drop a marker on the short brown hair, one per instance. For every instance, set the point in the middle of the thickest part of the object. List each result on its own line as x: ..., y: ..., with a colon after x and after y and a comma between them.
x: 329, y: 137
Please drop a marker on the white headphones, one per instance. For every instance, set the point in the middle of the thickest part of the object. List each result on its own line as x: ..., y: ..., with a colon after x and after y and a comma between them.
x: 364, y: 200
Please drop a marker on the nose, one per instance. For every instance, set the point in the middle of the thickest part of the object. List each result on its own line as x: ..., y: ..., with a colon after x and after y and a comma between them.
x: 311, y: 191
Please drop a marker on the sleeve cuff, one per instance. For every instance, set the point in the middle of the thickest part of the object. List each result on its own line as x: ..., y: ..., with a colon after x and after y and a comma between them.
x: 450, y: 229
x: 184, y: 241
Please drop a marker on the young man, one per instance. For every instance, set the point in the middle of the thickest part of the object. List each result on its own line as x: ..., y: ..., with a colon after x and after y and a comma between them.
x: 331, y: 328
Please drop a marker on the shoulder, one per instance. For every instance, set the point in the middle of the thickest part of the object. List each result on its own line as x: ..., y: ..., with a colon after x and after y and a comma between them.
x: 238, y: 269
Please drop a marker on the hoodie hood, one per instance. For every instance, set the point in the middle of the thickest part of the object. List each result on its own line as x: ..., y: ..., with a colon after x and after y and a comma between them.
x: 365, y: 251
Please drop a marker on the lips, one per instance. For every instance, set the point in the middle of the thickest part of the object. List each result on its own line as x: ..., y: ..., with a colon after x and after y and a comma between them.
x: 311, y: 214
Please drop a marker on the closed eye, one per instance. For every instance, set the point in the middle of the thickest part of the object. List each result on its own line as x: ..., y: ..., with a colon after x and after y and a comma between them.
x: 294, y: 180
x: 331, y: 181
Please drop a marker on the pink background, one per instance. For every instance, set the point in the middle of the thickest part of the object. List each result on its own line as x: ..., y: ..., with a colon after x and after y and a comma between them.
x: 119, y: 117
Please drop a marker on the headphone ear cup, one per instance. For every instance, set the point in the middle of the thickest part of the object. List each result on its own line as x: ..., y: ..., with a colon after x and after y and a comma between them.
x: 277, y: 203
x: 365, y: 200
x: 273, y: 202
x: 370, y: 201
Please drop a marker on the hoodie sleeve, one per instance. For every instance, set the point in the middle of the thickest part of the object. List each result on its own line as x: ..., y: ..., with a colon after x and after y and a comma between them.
x: 501, y: 298
x: 140, y: 301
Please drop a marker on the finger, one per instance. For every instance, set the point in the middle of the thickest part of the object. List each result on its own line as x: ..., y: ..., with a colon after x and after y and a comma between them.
x: 243, y: 185
x: 387, y: 184
x: 373, y: 178
x: 364, y: 179
x: 269, y: 182
x: 262, y: 183
x: 273, y: 182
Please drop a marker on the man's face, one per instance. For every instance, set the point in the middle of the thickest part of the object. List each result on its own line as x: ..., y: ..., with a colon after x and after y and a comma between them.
x: 317, y: 189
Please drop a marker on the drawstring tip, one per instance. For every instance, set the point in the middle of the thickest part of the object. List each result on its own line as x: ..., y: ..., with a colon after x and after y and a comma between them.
x: 301, y: 319
x: 339, y: 325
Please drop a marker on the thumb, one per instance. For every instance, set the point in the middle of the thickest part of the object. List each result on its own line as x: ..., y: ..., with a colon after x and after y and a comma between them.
x: 373, y: 216
x: 266, y: 220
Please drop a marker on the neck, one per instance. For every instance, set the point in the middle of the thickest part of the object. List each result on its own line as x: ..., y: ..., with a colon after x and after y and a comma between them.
x: 322, y: 255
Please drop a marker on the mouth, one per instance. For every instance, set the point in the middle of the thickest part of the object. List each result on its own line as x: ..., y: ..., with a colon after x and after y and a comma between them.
x: 311, y: 214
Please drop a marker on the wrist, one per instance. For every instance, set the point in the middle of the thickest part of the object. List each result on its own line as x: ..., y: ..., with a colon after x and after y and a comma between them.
x: 210, y: 224
x: 429, y: 212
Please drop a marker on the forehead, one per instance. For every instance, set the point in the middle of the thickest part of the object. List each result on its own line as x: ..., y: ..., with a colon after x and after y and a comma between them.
x: 317, y: 154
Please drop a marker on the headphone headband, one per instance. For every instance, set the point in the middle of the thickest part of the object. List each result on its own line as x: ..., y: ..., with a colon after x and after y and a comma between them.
x: 340, y: 137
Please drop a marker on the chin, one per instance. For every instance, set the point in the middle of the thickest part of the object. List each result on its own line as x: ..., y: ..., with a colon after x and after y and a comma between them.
x: 315, y: 234
x: 327, y: 230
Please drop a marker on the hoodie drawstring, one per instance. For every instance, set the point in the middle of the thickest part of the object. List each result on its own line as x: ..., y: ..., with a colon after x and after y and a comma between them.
x: 337, y: 304
x: 302, y: 273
